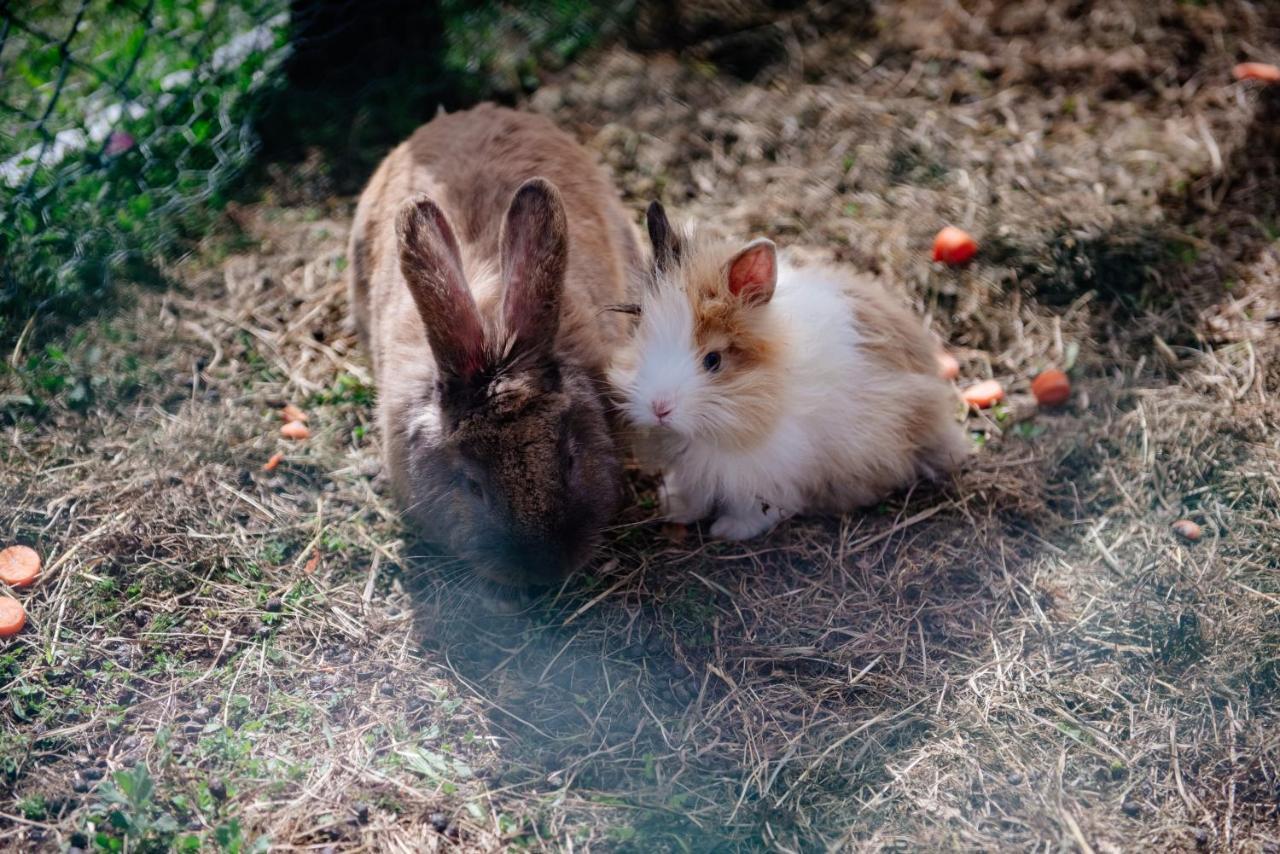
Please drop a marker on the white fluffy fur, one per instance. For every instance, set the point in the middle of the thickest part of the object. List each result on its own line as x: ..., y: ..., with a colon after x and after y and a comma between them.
x: 837, y: 437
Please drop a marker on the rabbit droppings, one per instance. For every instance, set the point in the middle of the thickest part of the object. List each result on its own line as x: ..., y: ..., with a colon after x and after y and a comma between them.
x: 483, y: 253
x: 763, y: 390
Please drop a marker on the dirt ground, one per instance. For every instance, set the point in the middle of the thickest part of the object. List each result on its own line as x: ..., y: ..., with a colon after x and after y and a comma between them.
x: 1026, y: 658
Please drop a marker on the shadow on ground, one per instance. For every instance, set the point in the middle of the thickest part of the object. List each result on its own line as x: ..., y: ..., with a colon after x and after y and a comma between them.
x: 734, y: 694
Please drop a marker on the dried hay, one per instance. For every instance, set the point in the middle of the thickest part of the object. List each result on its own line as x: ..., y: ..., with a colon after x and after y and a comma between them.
x: 1023, y: 658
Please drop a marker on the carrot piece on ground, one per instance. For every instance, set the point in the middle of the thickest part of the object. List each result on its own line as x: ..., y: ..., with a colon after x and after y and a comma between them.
x: 1187, y: 529
x: 312, y: 563
x: 1257, y: 71
x: 270, y: 465
x: 948, y: 367
x: 1051, y: 388
x: 675, y: 532
x: 295, y: 430
x: 954, y: 246
x: 289, y: 412
x: 12, y: 616
x: 19, y: 566
x: 984, y: 394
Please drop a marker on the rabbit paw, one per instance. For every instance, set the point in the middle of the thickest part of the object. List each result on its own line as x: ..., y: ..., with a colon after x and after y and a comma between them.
x: 735, y: 528
x: 744, y: 523
x: 677, y: 507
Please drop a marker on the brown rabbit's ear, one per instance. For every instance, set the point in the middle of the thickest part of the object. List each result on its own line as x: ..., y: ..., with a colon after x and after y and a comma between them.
x: 432, y: 266
x: 666, y: 245
x: 535, y: 254
x: 753, y: 272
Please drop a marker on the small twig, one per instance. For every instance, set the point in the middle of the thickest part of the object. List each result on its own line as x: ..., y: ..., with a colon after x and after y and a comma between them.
x: 599, y: 597
x: 367, y: 595
x: 1177, y: 770
x: 1107, y: 556
x: 1075, y: 832
x: 901, y: 526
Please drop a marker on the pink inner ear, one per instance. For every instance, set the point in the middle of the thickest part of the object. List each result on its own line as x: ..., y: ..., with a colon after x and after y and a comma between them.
x: 752, y: 274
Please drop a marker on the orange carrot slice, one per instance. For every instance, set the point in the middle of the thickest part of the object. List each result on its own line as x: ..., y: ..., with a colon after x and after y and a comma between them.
x: 19, y: 566
x: 1257, y: 71
x: 954, y: 246
x: 984, y: 394
x: 675, y: 532
x: 1051, y: 388
x: 289, y: 412
x: 1187, y: 529
x: 948, y: 367
x: 312, y: 563
x: 295, y: 430
x: 12, y: 616
x: 270, y: 465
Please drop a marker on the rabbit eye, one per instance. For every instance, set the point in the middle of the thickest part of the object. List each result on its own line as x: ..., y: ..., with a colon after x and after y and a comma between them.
x: 711, y: 361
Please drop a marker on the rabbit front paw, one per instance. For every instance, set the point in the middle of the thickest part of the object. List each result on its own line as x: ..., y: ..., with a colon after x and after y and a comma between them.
x: 737, y: 528
x: 680, y: 506
x: 748, y: 521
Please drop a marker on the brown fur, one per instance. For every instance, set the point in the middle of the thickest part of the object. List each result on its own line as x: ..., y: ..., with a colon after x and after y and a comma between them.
x: 519, y: 421
x: 891, y: 334
x: 475, y: 161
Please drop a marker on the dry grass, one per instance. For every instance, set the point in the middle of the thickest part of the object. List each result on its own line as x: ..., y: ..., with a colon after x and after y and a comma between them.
x: 1026, y: 658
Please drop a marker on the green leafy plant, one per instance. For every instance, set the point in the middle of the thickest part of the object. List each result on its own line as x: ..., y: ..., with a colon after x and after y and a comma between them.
x: 111, y: 160
x: 132, y: 813
x: 230, y: 838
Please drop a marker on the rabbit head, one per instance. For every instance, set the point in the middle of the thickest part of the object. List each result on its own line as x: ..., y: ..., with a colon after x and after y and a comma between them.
x: 511, y: 463
x: 705, y: 360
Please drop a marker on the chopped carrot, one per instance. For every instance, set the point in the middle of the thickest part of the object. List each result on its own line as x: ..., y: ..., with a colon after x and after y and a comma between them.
x: 19, y: 566
x: 1257, y: 71
x: 984, y: 394
x: 948, y: 367
x: 312, y: 563
x: 1187, y: 529
x: 1051, y: 388
x: 295, y: 430
x: 954, y: 246
x: 289, y: 412
x: 12, y: 616
x: 270, y: 465
x: 675, y: 532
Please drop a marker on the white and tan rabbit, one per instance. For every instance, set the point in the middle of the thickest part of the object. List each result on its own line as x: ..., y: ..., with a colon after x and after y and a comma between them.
x: 484, y: 251
x: 765, y: 390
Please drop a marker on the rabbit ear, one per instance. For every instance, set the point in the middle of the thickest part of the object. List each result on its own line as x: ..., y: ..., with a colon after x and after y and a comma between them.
x: 666, y: 245
x: 432, y: 267
x: 753, y: 272
x: 535, y: 253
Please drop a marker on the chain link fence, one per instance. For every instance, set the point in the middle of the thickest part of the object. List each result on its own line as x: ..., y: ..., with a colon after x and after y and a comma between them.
x: 121, y: 122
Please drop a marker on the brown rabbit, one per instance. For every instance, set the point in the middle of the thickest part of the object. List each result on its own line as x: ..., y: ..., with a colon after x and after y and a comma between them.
x: 484, y: 252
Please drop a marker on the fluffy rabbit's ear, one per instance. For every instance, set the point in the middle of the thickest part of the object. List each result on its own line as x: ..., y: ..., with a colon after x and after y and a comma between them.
x: 666, y: 245
x: 753, y: 272
x: 535, y: 253
x: 432, y: 266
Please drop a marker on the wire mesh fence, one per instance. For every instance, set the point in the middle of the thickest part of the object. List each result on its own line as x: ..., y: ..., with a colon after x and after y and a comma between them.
x: 121, y: 122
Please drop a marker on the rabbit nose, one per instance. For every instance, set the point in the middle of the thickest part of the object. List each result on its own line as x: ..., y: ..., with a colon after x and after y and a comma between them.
x: 662, y: 409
